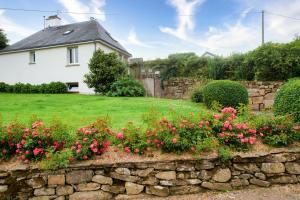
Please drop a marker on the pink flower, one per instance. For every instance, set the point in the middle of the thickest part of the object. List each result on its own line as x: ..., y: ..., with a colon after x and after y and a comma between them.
x: 252, y: 131
x: 217, y: 116
x: 27, y: 152
x: 127, y: 149
x: 174, y: 140
x: 71, y: 159
x: 85, y: 139
x: 106, y: 144
x: 23, y: 157
x: 78, y: 150
x: 241, y: 136
x: 85, y: 157
x: 19, y: 146
x: 136, y: 150
x: 36, y: 151
x: 221, y: 135
x: 120, y: 136
x: 4, y: 151
x: 23, y: 142
x: 261, y: 134
x: 251, y: 140
x: 149, y: 141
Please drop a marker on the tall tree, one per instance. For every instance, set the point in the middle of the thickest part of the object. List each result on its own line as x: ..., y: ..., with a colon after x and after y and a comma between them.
x: 105, y: 69
x: 3, y: 39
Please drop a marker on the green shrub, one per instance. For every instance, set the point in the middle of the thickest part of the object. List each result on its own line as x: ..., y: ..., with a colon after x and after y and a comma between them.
x: 56, y: 159
x: 126, y: 87
x: 287, y: 100
x: 51, y: 88
x: 225, y: 92
x: 224, y: 154
x: 104, y: 70
x: 197, y: 95
x: 57, y: 87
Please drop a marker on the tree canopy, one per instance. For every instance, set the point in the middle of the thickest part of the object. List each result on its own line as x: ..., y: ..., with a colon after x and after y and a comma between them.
x: 3, y: 39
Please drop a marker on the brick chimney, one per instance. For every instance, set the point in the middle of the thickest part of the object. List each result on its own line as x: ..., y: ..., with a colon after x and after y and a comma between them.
x: 53, y: 20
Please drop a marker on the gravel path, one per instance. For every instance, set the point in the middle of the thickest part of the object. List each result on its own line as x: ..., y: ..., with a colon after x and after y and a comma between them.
x: 287, y: 192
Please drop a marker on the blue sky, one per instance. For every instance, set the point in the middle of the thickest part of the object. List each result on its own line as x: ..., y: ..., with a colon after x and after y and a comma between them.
x: 156, y: 28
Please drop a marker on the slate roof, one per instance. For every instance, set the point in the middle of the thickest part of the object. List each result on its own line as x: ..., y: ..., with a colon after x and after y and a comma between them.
x: 53, y: 36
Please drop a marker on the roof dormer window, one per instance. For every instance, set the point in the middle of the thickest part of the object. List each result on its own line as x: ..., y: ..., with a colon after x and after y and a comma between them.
x: 68, y: 32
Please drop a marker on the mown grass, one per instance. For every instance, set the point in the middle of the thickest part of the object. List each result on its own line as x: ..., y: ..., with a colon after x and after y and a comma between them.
x: 79, y: 110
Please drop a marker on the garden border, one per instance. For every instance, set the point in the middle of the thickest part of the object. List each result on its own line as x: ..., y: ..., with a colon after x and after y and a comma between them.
x: 160, y: 178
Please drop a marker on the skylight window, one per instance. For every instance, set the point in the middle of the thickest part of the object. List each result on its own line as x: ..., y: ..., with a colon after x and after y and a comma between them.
x: 68, y: 32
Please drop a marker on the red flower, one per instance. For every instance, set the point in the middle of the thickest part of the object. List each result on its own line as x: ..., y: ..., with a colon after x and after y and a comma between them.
x: 174, y: 140
x: 127, y: 149
x: 217, y: 117
x: 120, y: 136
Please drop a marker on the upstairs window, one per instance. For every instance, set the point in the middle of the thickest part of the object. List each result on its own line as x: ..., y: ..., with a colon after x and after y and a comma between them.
x: 32, y: 57
x: 73, y: 55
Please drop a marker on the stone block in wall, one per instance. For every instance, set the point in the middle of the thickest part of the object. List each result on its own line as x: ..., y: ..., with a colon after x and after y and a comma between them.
x: 133, y: 188
x: 257, y: 100
x: 255, y: 107
x: 222, y: 175
x: 87, y: 187
x: 216, y: 186
x: 102, y: 180
x: 269, y: 96
x: 284, y: 179
x: 273, y: 168
x: 56, y: 180
x: 259, y: 182
x: 158, y: 190
x: 268, y: 103
x: 167, y: 175
x: 292, y: 167
x: 79, y: 176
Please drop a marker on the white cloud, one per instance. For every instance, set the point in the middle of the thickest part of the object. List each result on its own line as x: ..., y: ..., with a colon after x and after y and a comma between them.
x: 185, y: 15
x: 76, y: 6
x: 245, y: 33
x: 13, y: 29
x: 134, y: 40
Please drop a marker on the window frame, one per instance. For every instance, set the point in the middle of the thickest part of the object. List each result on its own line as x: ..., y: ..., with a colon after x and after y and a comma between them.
x: 32, y: 57
x: 72, y: 56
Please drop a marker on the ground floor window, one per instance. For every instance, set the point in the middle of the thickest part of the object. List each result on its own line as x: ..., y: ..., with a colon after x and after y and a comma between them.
x: 73, y: 87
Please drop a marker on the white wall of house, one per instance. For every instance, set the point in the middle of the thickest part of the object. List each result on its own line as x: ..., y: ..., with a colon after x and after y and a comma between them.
x: 51, y: 65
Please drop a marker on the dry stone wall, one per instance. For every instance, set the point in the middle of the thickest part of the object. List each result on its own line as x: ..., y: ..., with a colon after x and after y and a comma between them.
x: 261, y: 94
x: 94, y: 181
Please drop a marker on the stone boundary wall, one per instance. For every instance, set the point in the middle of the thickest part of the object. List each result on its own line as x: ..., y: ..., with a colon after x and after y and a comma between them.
x: 179, y: 88
x: 92, y: 180
x: 261, y: 94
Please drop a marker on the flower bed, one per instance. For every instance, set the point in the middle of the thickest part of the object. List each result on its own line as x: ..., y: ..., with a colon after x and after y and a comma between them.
x: 225, y: 131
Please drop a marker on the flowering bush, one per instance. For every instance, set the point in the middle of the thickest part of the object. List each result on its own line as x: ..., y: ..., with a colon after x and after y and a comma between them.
x: 91, y: 140
x: 132, y: 140
x: 231, y: 133
x: 276, y: 131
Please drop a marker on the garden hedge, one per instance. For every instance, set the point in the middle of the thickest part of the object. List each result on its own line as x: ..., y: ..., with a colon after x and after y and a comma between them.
x: 50, y: 88
x: 225, y: 92
x: 287, y: 100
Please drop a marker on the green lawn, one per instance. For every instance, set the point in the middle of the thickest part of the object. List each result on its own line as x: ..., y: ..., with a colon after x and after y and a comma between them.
x: 79, y: 110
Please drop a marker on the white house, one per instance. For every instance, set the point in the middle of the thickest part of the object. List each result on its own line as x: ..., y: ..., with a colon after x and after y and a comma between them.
x: 57, y: 53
